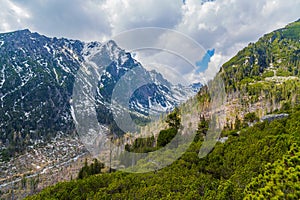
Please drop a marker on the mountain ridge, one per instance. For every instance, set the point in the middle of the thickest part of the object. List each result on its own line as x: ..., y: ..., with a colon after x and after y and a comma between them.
x: 256, y: 160
x: 37, y: 74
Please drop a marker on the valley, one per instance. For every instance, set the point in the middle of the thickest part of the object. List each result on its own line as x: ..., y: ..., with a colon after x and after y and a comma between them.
x: 255, y: 155
x: 49, y: 163
x: 235, y: 138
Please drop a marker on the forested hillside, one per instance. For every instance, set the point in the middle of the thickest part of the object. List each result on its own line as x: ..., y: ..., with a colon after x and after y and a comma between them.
x: 254, y: 159
x: 235, y: 169
x: 265, y: 75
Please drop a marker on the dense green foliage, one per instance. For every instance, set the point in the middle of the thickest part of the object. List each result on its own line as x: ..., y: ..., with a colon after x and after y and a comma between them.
x: 260, y: 160
x: 280, y: 179
x: 142, y: 145
x: 88, y: 170
x: 224, y: 174
x: 251, y: 117
x: 165, y: 136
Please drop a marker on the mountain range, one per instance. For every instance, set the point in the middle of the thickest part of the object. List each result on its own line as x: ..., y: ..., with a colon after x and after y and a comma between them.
x: 257, y: 153
x: 37, y: 76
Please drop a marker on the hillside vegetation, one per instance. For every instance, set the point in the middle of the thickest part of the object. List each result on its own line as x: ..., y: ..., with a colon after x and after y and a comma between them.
x: 264, y: 76
x: 259, y: 160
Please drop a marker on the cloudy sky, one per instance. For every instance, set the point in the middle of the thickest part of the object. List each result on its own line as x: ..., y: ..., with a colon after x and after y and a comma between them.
x: 219, y: 28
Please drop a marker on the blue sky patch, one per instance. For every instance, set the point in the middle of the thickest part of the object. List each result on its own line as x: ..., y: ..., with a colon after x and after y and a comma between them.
x: 203, y: 64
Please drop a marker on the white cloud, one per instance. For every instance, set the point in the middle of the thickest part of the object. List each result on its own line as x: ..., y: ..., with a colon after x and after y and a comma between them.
x: 128, y: 14
x: 11, y: 16
x: 62, y: 18
x: 164, y: 47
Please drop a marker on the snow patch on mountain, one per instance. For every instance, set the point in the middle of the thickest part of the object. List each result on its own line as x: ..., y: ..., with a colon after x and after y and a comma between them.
x: 90, y: 49
x: 2, y: 76
x: 38, y: 77
x: 112, y: 62
x: 56, y: 75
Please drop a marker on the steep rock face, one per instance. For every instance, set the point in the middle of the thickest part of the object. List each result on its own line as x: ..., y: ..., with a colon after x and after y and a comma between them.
x: 143, y: 92
x: 37, y: 76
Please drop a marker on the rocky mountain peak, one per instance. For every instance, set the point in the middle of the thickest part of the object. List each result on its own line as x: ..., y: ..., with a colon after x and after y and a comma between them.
x: 37, y: 75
